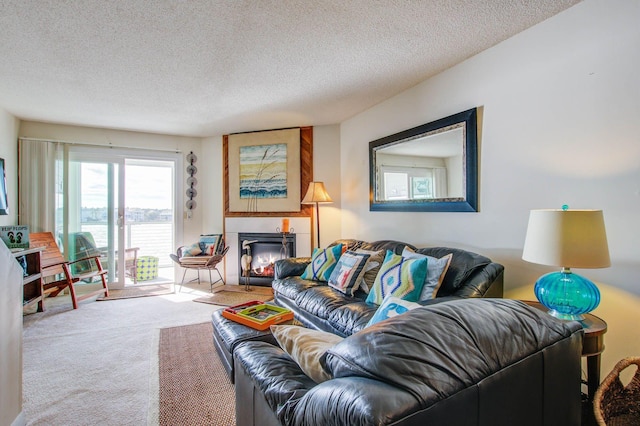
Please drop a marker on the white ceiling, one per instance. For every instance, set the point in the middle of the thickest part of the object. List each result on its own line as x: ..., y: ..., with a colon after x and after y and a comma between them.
x: 211, y: 67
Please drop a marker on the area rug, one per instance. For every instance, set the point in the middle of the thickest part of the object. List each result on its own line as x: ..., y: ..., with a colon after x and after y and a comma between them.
x: 139, y: 291
x: 231, y: 298
x: 194, y: 388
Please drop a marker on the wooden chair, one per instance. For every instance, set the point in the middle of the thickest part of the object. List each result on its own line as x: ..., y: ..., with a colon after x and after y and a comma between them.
x: 83, y: 246
x: 201, y: 262
x: 58, y: 273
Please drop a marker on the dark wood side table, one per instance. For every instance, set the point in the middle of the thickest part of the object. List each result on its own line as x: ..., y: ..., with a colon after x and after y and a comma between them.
x: 592, y: 346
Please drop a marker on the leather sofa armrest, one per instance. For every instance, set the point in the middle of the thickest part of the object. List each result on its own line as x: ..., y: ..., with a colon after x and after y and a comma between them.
x: 296, y: 400
x: 290, y: 267
x: 343, y: 402
x: 269, y: 370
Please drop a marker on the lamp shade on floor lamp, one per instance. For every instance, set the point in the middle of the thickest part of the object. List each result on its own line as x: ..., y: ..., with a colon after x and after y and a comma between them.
x: 316, y: 194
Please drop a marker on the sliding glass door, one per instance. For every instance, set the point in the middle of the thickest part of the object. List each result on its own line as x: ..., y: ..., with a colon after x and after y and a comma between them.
x: 121, y: 204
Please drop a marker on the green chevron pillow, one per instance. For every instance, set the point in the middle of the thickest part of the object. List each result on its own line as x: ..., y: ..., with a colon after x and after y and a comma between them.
x: 322, y: 263
x: 399, y: 277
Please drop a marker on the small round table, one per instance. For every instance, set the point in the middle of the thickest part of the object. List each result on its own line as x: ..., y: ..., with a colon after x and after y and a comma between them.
x: 592, y: 346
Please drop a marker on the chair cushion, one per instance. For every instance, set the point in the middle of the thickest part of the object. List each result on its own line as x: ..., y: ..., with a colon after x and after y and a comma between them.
x: 195, y: 260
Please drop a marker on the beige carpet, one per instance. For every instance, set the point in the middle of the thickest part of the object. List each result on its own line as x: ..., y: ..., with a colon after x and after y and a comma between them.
x: 98, y: 365
x: 139, y: 291
x: 194, y: 386
x: 235, y: 295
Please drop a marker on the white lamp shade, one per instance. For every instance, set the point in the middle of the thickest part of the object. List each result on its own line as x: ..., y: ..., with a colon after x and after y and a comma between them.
x: 567, y: 238
x: 316, y: 194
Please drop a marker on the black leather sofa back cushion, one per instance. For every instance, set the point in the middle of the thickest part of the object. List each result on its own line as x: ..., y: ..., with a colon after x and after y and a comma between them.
x: 463, y: 265
x: 435, y: 352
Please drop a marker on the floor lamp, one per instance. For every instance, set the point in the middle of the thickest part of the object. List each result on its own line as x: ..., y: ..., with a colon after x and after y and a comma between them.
x: 316, y: 194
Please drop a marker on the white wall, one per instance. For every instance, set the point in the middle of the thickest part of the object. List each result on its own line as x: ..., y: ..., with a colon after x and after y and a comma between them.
x: 326, y: 157
x: 559, y: 126
x: 211, y: 185
x: 560, y: 106
x: 10, y: 291
x: 9, y: 151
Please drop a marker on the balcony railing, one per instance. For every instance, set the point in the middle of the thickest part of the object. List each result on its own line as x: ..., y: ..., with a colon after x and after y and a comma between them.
x: 153, y: 238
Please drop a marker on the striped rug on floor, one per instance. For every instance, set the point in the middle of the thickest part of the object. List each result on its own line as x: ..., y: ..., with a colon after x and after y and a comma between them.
x: 145, y: 290
x: 194, y: 388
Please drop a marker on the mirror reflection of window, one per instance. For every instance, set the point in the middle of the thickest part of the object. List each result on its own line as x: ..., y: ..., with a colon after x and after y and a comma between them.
x: 396, y: 186
x: 430, y: 167
x: 422, y: 188
x: 421, y: 168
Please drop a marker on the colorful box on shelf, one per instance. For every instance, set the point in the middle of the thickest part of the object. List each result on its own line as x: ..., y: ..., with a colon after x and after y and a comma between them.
x: 257, y: 315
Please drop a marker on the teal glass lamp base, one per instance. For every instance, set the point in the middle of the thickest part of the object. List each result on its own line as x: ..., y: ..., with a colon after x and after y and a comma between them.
x: 567, y: 295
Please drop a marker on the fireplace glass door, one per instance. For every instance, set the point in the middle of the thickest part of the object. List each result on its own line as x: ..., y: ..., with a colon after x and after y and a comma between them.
x: 263, y: 250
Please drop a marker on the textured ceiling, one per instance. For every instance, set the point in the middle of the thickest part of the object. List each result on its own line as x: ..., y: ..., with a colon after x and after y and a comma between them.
x: 210, y: 67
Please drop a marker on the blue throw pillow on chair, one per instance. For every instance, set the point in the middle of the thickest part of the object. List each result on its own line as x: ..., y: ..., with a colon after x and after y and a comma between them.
x: 192, y: 250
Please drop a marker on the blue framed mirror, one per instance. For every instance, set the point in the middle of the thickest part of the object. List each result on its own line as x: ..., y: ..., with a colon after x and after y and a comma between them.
x: 429, y: 168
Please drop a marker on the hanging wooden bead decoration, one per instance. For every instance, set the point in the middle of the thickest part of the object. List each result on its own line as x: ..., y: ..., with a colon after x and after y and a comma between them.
x: 191, y: 183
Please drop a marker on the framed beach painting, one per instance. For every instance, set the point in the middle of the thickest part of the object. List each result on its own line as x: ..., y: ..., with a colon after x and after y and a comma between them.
x: 266, y: 172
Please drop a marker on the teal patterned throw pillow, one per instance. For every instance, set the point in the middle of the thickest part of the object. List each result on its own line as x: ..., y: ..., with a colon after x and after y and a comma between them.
x: 399, y: 277
x: 322, y: 263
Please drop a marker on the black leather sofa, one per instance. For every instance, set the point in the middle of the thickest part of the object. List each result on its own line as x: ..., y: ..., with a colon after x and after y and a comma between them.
x: 318, y: 306
x: 468, y: 361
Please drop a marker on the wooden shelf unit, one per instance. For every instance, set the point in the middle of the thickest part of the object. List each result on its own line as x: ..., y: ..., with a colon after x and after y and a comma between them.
x: 32, y: 282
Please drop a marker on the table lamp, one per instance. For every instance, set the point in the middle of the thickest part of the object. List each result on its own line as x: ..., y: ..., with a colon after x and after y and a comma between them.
x: 316, y: 194
x: 569, y: 239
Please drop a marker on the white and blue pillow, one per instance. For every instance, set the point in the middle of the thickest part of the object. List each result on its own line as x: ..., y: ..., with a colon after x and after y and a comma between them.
x: 391, y: 307
x: 347, y: 274
x: 436, y: 270
x: 192, y: 250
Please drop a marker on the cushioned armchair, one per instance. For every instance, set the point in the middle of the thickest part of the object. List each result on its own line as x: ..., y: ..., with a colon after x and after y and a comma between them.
x: 206, y: 255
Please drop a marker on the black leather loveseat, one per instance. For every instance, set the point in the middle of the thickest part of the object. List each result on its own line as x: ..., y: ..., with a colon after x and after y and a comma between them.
x: 318, y: 306
x: 468, y: 361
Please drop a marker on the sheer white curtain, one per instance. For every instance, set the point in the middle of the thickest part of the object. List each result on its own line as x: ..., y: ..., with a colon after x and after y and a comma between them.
x: 440, y: 178
x: 37, y: 183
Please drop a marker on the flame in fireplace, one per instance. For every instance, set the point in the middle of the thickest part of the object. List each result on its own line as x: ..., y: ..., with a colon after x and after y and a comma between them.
x: 263, y: 266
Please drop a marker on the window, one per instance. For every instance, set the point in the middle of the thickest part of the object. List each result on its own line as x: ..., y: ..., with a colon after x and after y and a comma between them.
x: 404, y: 183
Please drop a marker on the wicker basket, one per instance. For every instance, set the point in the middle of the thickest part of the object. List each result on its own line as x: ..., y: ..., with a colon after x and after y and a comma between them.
x: 617, y: 405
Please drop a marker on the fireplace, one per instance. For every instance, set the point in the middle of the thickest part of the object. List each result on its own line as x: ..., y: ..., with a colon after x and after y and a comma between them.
x: 264, y: 249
